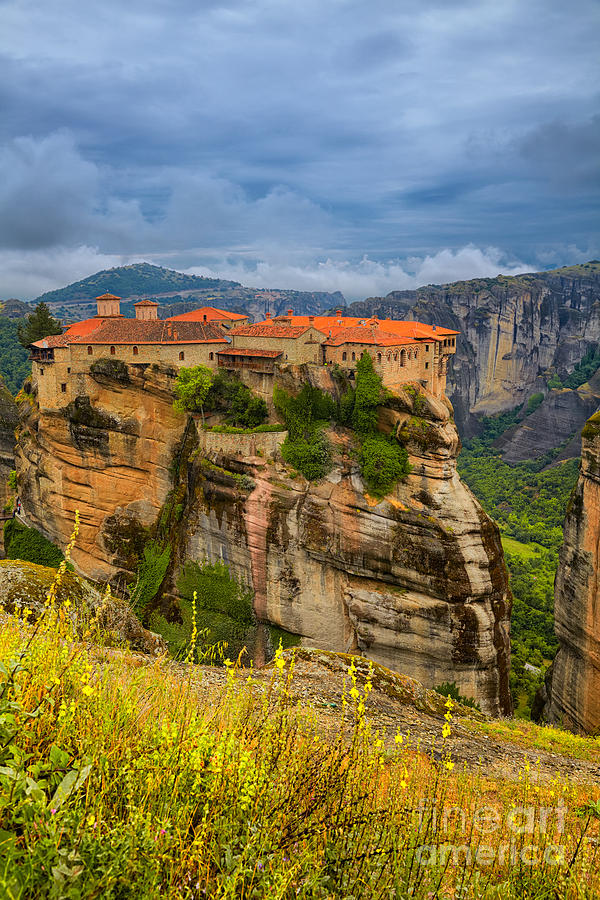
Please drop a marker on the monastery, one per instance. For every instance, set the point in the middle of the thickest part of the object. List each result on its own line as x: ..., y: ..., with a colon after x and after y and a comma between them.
x: 402, y: 351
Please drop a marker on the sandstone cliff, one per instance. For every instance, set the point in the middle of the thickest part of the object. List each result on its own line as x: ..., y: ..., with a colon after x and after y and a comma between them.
x: 416, y: 581
x: 513, y: 329
x: 575, y: 690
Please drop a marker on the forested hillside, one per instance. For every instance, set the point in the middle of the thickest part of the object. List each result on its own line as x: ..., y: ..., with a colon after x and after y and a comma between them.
x: 529, y: 502
x: 14, y: 359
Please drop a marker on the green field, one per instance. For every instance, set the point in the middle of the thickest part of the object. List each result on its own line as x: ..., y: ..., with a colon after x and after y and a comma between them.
x: 518, y: 548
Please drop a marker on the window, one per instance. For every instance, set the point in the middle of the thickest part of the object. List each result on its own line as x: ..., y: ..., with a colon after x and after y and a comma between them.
x: 41, y: 371
x: 211, y: 356
x: 416, y: 353
x: 396, y: 356
x: 112, y: 351
x: 135, y: 351
x: 63, y: 388
x: 353, y: 356
x: 403, y: 357
x: 182, y: 356
x: 426, y: 348
x: 379, y: 357
x: 344, y: 356
x: 89, y: 351
x: 204, y: 317
x: 426, y: 365
x: 68, y: 370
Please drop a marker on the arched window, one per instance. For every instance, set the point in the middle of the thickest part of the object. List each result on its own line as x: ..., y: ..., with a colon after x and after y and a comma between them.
x: 112, y: 351
x: 403, y: 357
x: 135, y: 351
x: 379, y: 358
x: 89, y: 351
x: 416, y: 354
x: 353, y: 356
x: 182, y: 355
x: 396, y: 356
x: 389, y: 357
x: 344, y: 356
x: 211, y: 356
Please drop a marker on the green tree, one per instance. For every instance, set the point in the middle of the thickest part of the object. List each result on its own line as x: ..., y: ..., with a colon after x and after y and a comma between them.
x: 191, y: 389
x: 368, y: 395
x: 39, y: 324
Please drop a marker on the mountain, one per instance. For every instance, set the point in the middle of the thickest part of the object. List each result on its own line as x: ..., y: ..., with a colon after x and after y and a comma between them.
x: 520, y: 335
x: 14, y: 309
x: 177, y: 293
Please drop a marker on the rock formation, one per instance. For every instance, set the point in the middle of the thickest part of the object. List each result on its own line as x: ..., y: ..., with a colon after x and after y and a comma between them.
x: 9, y: 418
x: 513, y: 329
x: 416, y: 581
x: 575, y: 690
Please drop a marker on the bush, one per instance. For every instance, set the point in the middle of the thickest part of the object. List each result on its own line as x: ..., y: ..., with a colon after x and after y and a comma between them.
x: 450, y: 689
x: 311, y: 456
x: 532, y: 404
x: 29, y: 545
x: 229, y: 395
x: 306, y: 447
x: 223, y: 607
x: 383, y: 462
x: 151, y: 572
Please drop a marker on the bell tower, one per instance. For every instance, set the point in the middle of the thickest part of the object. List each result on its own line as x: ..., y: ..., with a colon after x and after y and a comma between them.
x: 109, y: 306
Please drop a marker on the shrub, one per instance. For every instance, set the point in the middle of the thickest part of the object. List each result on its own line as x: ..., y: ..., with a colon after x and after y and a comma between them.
x: 532, y: 404
x: 29, y: 545
x: 306, y: 447
x: 311, y: 456
x: 151, y: 572
x: 450, y: 689
x: 223, y: 607
x: 229, y: 395
x: 383, y: 462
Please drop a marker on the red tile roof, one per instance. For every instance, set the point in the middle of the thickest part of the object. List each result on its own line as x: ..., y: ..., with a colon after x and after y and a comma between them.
x: 362, y: 334
x: 211, y: 313
x: 135, y: 331
x: 263, y: 330
x: 235, y: 351
x: 417, y: 330
x: 108, y: 297
x: 146, y: 303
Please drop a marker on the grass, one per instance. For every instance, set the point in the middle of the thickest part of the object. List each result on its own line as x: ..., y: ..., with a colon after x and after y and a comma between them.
x: 164, y: 796
x: 518, y: 548
x: 547, y: 738
x: 118, y: 779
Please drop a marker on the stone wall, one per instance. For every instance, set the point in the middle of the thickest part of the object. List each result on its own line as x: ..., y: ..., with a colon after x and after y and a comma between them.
x: 262, y: 443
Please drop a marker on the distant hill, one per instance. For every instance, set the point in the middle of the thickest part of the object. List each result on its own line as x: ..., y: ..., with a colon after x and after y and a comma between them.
x: 177, y: 293
x: 15, y: 309
x: 133, y: 281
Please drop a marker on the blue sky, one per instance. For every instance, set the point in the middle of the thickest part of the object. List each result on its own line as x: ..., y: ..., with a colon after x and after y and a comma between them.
x: 359, y: 146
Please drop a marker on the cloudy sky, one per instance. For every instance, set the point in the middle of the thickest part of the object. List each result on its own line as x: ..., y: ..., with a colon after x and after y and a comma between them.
x: 360, y: 145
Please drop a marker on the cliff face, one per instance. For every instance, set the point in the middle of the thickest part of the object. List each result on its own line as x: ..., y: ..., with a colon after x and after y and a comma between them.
x: 575, y: 691
x: 9, y: 419
x: 416, y: 582
x: 512, y: 330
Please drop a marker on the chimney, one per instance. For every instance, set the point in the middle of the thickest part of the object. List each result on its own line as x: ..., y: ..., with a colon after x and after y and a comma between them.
x: 109, y: 305
x: 146, y: 310
x: 268, y: 318
x: 311, y: 320
x: 338, y: 313
x: 290, y: 312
